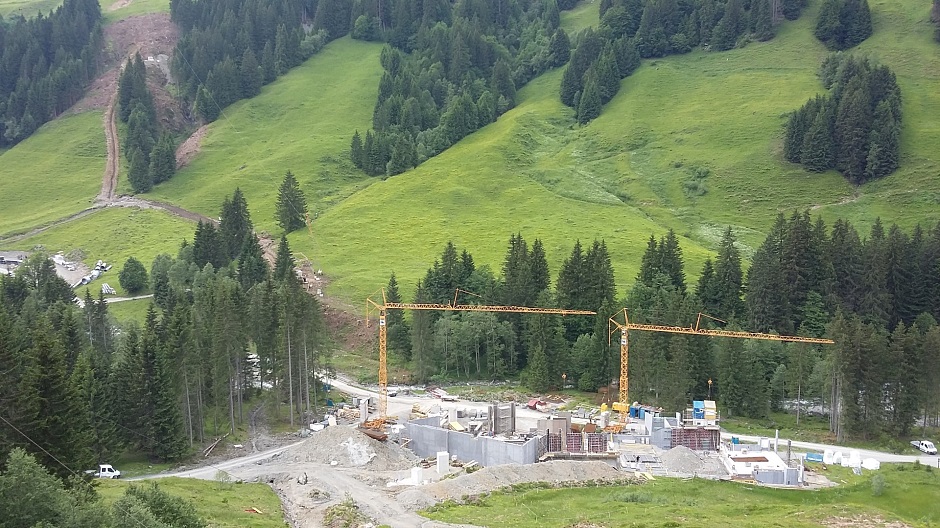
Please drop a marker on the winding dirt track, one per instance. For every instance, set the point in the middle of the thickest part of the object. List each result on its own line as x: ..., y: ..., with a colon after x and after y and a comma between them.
x: 108, y: 195
x: 111, y: 168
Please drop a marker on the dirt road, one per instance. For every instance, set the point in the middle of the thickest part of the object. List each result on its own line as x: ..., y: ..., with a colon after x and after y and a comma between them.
x: 112, y: 166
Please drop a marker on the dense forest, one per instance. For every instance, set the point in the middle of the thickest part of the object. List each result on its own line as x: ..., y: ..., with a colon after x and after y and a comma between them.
x: 878, y: 297
x: 450, y: 69
x: 856, y: 128
x: 229, y: 51
x: 222, y: 326
x: 45, y: 64
x: 150, y: 152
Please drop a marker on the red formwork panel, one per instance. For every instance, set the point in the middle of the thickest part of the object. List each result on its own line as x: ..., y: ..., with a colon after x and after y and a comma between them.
x: 696, y: 439
x: 574, y: 443
x: 597, y: 442
x: 554, y: 443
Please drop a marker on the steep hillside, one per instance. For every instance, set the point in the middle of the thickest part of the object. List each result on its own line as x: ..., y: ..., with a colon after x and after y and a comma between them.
x: 54, y: 173
x: 302, y: 123
x: 691, y: 143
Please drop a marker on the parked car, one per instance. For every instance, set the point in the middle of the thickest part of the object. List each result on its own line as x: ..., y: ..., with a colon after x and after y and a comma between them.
x: 925, y: 445
x: 104, y: 471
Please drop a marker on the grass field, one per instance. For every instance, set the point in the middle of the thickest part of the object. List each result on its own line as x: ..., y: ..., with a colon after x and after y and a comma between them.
x: 54, y: 173
x: 221, y: 505
x: 27, y: 8
x: 114, y: 234
x: 113, y: 10
x: 909, y: 495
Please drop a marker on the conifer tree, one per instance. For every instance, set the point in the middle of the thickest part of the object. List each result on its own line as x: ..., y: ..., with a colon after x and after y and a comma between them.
x: 291, y: 204
x: 817, y: 152
x: 559, y: 48
x: 139, y: 172
x: 589, y: 106
x: 234, y: 224
x: 884, y: 143
x: 399, y: 334
x: 728, y: 279
x: 163, y: 160
x: 283, y: 262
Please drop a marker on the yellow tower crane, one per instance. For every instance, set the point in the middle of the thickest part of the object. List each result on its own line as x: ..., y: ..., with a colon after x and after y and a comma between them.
x: 614, y: 324
x: 382, y: 309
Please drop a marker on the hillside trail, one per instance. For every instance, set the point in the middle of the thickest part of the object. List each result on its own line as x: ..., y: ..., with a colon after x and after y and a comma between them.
x: 111, y: 167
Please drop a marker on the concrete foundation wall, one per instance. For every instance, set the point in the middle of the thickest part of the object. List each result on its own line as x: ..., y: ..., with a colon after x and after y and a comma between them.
x: 427, y: 439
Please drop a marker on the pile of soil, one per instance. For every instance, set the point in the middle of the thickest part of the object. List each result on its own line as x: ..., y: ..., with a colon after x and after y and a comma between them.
x: 495, y: 477
x: 344, y: 446
x: 682, y: 460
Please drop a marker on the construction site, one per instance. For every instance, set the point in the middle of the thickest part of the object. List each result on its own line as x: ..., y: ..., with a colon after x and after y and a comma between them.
x: 398, y: 450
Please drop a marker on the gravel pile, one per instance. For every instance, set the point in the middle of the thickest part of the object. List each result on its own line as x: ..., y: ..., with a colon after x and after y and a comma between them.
x: 348, y: 447
x: 682, y: 460
x: 495, y: 477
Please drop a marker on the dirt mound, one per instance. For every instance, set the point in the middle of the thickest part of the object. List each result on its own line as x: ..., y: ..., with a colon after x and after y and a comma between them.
x: 495, y: 477
x: 344, y: 446
x: 189, y: 148
x: 681, y: 459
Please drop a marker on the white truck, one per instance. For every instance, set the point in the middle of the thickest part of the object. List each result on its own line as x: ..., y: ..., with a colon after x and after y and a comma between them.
x: 104, y: 471
x: 925, y: 445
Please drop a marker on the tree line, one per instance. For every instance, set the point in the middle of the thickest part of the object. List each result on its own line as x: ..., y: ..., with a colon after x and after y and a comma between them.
x: 228, y: 52
x: 45, y: 64
x: 876, y: 297
x: 935, y: 18
x: 633, y: 29
x: 843, y: 24
x: 855, y: 128
x: 449, y: 69
x: 151, y: 154
x: 222, y: 327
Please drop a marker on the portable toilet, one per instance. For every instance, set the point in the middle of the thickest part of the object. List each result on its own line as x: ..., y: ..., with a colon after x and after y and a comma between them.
x: 698, y: 410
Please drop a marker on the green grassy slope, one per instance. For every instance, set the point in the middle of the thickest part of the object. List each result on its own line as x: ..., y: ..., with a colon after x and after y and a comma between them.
x: 112, y: 235
x: 535, y: 171
x: 303, y: 123
x: 476, y: 193
x: 112, y: 10
x: 27, y: 8
x: 908, y: 495
x: 54, y: 173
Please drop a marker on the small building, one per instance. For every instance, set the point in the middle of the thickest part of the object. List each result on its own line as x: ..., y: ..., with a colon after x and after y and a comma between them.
x: 753, y: 462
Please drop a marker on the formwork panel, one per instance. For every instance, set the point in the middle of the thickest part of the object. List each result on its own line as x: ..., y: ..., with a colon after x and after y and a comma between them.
x: 597, y: 443
x: 574, y: 443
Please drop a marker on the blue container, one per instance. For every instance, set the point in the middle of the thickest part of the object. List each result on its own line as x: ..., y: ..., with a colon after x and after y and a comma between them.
x: 734, y: 440
x: 642, y: 413
x: 698, y: 414
x: 633, y: 412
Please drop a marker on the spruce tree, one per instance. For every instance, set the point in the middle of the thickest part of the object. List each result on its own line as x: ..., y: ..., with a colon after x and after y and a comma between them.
x: 670, y: 261
x: 884, y: 143
x: 571, y: 288
x: 163, y: 160
x: 728, y: 279
x: 356, y: 151
x: 167, y: 421
x: 283, y: 262
x: 251, y: 74
x: 399, y: 334
x: 234, y: 224
x: 538, y: 267
x: 252, y: 268
x: 762, y: 20
x: 589, y: 106
x: 559, y: 48
x: 139, y: 172
x: 817, y: 152
x: 853, y: 128
x: 291, y: 206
